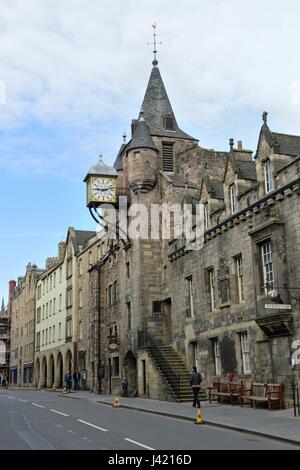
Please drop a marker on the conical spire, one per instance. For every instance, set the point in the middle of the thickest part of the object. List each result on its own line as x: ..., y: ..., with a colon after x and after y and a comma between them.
x: 141, y: 137
x: 118, y: 165
x: 158, y: 111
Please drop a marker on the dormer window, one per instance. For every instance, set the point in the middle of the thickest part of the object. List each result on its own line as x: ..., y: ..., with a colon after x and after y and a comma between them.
x: 268, y: 172
x: 169, y: 123
x: 233, y: 199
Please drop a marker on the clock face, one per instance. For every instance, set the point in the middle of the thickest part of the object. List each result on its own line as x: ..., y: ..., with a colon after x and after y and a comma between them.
x: 102, y: 189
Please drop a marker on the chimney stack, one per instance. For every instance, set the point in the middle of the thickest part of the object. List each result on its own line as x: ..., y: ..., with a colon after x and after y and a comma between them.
x: 240, y: 145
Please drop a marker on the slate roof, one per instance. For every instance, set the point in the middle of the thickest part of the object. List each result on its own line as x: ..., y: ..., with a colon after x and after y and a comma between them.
x: 287, y: 144
x: 156, y: 106
x: 283, y: 144
x: 180, y: 181
x: 141, y: 137
x: 118, y: 165
x: 214, y: 188
x: 81, y: 238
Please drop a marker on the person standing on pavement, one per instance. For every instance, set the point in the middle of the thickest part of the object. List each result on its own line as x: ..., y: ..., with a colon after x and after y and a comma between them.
x: 68, y: 380
x: 195, y: 381
x: 76, y: 378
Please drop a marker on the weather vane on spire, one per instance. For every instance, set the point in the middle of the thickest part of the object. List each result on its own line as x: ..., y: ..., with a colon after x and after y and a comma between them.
x: 154, y: 43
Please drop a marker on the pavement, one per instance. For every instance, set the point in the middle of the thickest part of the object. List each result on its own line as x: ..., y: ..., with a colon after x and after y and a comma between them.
x: 50, y: 420
x: 276, y: 424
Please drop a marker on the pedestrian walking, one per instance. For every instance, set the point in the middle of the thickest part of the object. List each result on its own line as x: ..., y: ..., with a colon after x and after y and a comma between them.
x: 195, y: 381
x: 76, y: 378
x: 68, y: 380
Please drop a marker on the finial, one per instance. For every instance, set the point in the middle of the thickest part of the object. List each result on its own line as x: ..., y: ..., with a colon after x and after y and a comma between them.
x: 231, y: 144
x: 155, y: 61
x: 265, y: 117
x: 101, y: 158
x: 124, y: 137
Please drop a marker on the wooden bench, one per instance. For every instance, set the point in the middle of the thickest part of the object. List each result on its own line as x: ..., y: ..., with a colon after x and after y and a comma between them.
x: 221, y: 390
x: 272, y: 394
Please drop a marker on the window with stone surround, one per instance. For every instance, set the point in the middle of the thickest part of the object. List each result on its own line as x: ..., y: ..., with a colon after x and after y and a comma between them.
x: 233, y: 199
x: 211, y: 287
x: 217, y: 356
x: 268, y: 269
x: 268, y: 174
x: 190, y: 300
x: 168, y: 156
x: 240, y: 277
x: 245, y: 350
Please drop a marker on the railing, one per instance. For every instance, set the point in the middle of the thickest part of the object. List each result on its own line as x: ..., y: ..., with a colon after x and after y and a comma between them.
x: 145, y: 340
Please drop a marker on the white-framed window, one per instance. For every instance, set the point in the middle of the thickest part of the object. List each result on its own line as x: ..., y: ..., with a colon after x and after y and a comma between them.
x: 212, y: 288
x: 189, y: 282
x: 47, y: 310
x: 233, y: 199
x: 268, y: 173
x: 60, y: 302
x: 80, y: 266
x: 240, y: 277
x: 54, y: 280
x: 60, y: 275
x: 217, y: 356
x: 50, y: 334
x: 268, y: 269
x: 59, y: 331
x: 46, y: 336
x: 43, y: 312
x: 54, y: 305
x: 51, y: 282
x: 69, y: 328
x: 50, y: 311
x: 245, y: 353
x: 53, y: 333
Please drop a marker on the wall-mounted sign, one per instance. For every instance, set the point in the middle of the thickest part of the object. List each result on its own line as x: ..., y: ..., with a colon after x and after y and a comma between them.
x: 278, y: 307
x: 113, y: 346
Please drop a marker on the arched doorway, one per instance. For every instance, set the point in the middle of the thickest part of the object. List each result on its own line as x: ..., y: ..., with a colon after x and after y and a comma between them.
x: 37, y: 372
x: 130, y: 372
x: 44, y: 373
x: 59, y: 371
x: 68, y: 361
x: 51, y: 371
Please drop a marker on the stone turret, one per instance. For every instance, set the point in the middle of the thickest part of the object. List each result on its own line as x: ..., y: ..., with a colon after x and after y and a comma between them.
x: 142, y: 159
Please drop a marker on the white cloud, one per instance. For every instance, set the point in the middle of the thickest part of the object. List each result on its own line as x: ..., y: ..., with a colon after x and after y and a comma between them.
x: 84, y: 65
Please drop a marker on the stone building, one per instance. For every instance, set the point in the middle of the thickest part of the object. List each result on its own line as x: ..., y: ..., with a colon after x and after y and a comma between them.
x: 58, y: 313
x: 232, y: 306
x: 22, y: 328
x: 5, y: 324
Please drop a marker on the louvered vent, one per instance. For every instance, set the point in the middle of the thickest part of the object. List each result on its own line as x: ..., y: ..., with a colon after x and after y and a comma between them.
x: 168, y: 156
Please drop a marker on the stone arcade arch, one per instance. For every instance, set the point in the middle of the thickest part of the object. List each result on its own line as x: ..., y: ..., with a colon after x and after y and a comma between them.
x: 51, y: 378
x: 37, y: 372
x: 130, y: 372
x: 43, y: 374
x: 69, y: 361
x: 59, y: 377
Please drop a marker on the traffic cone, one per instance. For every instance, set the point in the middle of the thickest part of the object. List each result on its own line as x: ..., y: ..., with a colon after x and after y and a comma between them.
x: 198, y: 419
x: 117, y: 403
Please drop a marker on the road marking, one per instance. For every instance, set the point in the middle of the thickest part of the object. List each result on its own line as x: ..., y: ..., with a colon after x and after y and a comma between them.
x: 39, y: 406
x: 59, y: 412
x: 92, y: 425
x: 11, y: 398
x: 138, y: 444
x: 72, y: 432
x: 24, y: 401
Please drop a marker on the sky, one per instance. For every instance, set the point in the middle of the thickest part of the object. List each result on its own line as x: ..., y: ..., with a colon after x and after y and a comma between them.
x: 73, y: 74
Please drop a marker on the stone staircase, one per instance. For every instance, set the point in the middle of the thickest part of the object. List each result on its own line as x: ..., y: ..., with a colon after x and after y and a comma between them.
x: 172, y: 369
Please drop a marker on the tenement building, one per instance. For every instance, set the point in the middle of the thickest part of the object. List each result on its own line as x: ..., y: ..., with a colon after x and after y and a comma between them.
x: 58, y: 320
x: 158, y: 307
x: 22, y: 328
